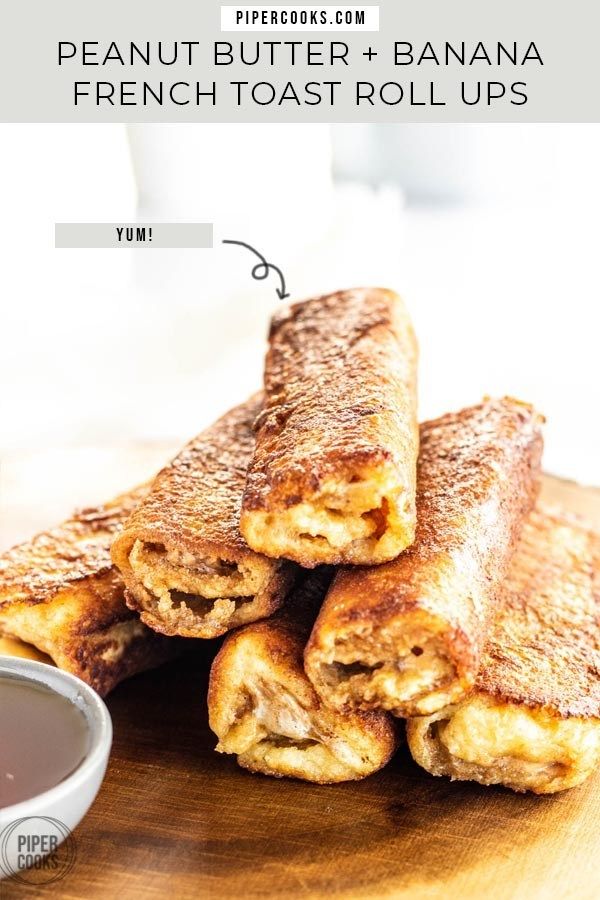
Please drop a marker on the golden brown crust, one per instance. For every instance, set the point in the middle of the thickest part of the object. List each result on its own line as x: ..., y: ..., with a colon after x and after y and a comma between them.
x: 495, y: 742
x: 544, y: 649
x: 533, y: 720
x: 265, y: 711
x: 61, y: 593
x: 478, y: 477
x: 33, y: 572
x: 185, y: 564
x: 338, y: 432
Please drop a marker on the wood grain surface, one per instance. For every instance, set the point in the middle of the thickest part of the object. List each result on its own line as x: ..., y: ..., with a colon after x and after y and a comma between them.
x: 174, y: 819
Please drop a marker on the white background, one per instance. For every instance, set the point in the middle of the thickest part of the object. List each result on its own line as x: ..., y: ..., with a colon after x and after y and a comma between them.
x: 495, y: 252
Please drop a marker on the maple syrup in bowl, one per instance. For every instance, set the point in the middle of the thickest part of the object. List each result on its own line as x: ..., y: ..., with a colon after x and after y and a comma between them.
x: 55, y: 740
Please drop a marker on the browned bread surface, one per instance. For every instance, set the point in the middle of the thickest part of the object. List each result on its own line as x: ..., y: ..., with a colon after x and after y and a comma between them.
x: 61, y: 593
x: 187, y: 568
x: 424, y: 617
x: 333, y: 475
x: 264, y: 710
x: 533, y: 720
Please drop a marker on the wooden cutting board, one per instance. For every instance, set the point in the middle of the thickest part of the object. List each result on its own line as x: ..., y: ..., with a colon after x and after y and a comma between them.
x: 174, y: 819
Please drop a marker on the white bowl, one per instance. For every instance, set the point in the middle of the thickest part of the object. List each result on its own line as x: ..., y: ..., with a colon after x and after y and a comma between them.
x: 67, y: 802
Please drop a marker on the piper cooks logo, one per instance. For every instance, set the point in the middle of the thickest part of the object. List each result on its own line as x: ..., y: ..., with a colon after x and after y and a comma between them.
x: 36, y: 850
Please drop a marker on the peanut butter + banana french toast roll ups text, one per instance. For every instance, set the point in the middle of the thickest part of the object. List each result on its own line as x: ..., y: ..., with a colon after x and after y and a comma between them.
x: 532, y: 722
x: 407, y: 636
x: 264, y: 710
x: 187, y: 568
x: 333, y: 474
x: 61, y: 594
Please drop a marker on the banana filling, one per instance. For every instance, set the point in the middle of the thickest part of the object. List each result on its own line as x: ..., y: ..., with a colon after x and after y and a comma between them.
x: 491, y: 742
x: 196, y: 590
x: 273, y: 731
x: 368, y: 672
x: 361, y: 519
x: 267, y: 713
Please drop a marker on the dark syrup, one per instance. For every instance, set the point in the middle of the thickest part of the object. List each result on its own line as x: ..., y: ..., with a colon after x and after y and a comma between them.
x: 43, y: 738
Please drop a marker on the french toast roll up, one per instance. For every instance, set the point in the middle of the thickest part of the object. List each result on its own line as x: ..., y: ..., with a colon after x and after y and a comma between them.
x: 532, y: 722
x: 407, y: 636
x: 264, y: 710
x: 61, y: 594
x: 332, y: 479
x: 187, y: 568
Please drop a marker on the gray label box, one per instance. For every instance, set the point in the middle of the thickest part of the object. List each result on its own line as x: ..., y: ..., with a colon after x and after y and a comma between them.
x: 151, y: 61
x: 133, y: 235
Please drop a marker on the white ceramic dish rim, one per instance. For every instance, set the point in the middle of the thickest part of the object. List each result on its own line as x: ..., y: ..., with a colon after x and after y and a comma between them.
x: 98, y: 722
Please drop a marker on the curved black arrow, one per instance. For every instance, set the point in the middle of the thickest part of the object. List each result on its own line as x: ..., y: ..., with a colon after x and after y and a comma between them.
x: 261, y: 269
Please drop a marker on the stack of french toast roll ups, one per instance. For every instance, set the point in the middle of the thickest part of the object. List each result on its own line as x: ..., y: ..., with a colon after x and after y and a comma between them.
x: 364, y: 569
